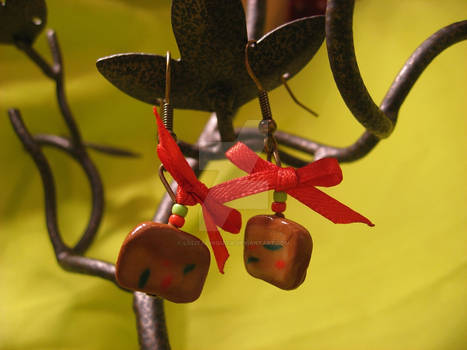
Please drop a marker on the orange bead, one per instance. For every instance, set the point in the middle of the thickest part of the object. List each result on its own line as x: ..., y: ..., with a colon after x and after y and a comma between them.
x: 177, y: 220
x: 278, y: 207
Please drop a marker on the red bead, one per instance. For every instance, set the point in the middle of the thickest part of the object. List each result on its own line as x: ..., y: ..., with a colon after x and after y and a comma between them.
x: 177, y: 220
x: 278, y: 207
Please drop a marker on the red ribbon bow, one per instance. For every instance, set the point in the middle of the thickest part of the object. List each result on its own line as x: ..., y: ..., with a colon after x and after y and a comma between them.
x: 191, y: 191
x: 299, y: 183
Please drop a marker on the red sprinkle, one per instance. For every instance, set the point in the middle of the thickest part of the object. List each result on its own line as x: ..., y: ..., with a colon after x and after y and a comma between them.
x: 280, y: 264
x: 167, y: 281
x: 278, y: 207
x: 177, y: 220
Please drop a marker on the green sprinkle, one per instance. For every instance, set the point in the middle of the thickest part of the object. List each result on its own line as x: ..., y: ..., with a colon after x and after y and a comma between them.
x: 143, y: 278
x: 280, y: 196
x: 188, y: 268
x: 273, y: 246
x: 252, y: 259
x: 179, y: 209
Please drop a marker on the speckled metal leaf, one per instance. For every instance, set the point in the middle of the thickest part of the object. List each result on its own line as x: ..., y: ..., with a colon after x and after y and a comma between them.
x: 211, y: 74
x: 205, y: 29
x: 21, y: 20
x: 286, y: 49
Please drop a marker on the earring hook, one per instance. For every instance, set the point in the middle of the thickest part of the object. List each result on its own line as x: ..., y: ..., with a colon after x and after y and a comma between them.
x: 167, y: 109
x: 262, y: 94
x: 251, y: 43
x: 166, y: 184
x: 267, y: 126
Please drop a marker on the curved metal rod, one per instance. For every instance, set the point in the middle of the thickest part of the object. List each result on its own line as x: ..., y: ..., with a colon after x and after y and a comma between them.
x: 398, y: 91
x: 75, y: 147
x: 60, y: 90
x: 416, y: 64
x: 111, y: 150
x: 150, y: 320
x: 341, y: 53
x: 339, y: 40
x: 66, y: 256
x: 95, y: 182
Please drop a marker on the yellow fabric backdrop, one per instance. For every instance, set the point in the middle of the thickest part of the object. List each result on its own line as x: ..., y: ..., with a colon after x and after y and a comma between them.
x: 398, y: 286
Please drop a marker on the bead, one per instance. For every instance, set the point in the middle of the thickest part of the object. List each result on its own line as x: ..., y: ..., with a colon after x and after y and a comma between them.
x: 280, y: 196
x: 278, y: 207
x: 179, y: 209
x: 283, y: 250
x: 177, y: 220
x: 267, y: 126
x: 159, y: 259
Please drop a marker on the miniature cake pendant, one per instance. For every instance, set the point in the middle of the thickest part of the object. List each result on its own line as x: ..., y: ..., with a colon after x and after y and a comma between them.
x: 277, y: 250
x: 161, y: 260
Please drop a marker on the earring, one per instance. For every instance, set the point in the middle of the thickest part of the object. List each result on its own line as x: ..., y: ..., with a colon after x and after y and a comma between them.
x: 160, y: 259
x: 277, y: 250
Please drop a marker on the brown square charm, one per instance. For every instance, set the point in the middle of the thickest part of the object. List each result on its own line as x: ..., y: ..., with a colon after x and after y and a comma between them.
x: 161, y: 260
x: 277, y: 250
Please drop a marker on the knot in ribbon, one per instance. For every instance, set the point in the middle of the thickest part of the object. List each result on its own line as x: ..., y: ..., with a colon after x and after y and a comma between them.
x: 299, y: 183
x: 191, y: 191
x: 286, y: 179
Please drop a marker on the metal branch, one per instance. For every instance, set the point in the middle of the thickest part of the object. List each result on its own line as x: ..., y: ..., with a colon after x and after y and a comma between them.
x: 95, y: 182
x: 152, y: 329
x: 66, y: 256
x: 225, y: 127
x: 256, y: 18
x: 339, y: 41
x: 60, y: 90
x: 398, y: 91
x: 416, y: 64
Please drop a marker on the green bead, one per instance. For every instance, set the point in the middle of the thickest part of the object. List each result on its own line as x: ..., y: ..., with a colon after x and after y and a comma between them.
x: 280, y: 196
x: 179, y: 209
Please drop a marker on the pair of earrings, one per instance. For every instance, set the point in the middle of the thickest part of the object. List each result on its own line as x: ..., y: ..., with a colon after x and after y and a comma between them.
x: 164, y: 261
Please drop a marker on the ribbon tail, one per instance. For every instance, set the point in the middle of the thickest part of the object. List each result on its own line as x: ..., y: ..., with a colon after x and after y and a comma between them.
x: 327, y: 206
x: 225, y: 217
x: 221, y: 254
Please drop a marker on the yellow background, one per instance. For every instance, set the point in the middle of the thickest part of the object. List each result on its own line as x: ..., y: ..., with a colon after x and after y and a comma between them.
x: 401, y: 285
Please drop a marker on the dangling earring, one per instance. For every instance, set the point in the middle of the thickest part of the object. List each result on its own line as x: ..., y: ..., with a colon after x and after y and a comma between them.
x: 160, y: 259
x: 277, y: 250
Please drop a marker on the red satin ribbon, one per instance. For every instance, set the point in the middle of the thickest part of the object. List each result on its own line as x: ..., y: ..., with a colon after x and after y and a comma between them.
x: 299, y: 183
x: 191, y: 191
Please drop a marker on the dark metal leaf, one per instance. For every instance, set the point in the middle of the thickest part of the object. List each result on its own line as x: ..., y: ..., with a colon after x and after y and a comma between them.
x: 287, y: 49
x: 211, y: 73
x: 21, y: 20
x: 205, y: 29
x: 142, y: 76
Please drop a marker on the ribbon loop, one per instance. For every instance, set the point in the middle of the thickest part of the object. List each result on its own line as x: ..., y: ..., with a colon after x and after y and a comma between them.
x: 286, y: 179
x: 299, y: 183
